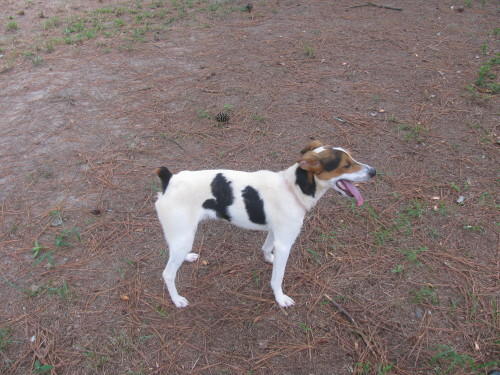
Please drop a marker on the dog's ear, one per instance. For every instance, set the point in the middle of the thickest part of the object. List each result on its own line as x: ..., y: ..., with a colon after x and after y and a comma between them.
x: 311, y: 146
x: 311, y: 162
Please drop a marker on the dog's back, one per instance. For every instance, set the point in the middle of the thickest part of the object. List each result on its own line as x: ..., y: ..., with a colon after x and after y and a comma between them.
x: 235, y: 196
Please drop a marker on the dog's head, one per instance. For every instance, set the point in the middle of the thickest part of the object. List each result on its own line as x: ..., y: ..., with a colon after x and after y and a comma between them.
x: 336, y: 166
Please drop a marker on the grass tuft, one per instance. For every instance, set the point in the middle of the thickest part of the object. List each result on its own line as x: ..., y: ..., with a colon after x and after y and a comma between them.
x: 12, y: 26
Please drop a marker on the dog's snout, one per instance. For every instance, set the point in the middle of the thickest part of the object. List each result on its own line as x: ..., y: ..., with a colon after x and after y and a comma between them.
x: 372, y: 172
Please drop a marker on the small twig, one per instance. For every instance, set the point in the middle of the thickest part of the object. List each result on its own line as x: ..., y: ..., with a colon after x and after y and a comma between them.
x: 177, y: 143
x: 342, y: 310
x: 371, y: 345
x: 376, y: 6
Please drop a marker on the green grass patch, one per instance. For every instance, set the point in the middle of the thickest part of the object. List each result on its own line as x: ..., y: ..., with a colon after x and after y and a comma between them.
x: 412, y: 133
x: 314, y: 255
x: 381, y: 235
x: 5, y: 338
x: 304, y: 327
x: 398, y: 269
x: 12, y: 26
x: 60, y: 290
x: 308, y: 50
x: 486, y: 79
x: 204, y: 114
x: 427, y: 294
x: 257, y: 116
x: 51, y: 23
x: 412, y: 254
x: 135, y: 22
x: 39, y: 368
x: 448, y: 361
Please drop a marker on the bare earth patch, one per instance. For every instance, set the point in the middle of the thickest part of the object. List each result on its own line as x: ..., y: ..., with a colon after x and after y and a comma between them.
x: 95, y: 96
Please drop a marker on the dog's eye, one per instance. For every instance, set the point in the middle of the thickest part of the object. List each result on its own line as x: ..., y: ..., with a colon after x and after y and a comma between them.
x: 347, y: 166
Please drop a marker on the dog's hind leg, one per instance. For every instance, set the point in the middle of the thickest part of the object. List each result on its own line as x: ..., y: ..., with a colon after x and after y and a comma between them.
x: 268, y: 246
x: 179, y: 252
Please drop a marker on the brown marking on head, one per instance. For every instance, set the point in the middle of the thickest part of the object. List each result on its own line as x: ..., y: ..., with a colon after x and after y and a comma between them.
x: 328, y: 163
x: 311, y: 146
x: 311, y: 162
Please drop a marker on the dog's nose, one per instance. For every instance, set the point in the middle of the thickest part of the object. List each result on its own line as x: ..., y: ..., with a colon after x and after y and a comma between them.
x: 372, y: 172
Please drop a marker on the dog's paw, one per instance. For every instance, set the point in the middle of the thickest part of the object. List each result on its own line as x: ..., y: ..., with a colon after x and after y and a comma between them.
x: 285, y: 301
x: 269, y: 258
x: 180, y: 302
x: 191, y: 257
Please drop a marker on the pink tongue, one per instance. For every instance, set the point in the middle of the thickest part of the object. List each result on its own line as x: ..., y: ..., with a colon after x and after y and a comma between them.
x: 354, y: 192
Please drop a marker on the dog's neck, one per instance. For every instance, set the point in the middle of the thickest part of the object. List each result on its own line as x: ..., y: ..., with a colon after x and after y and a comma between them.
x: 306, y: 188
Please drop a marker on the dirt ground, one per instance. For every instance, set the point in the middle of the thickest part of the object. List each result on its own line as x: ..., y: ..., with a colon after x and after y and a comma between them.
x: 94, y: 95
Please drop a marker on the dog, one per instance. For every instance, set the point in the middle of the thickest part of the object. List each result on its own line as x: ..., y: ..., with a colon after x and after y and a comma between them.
x: 269, y: 201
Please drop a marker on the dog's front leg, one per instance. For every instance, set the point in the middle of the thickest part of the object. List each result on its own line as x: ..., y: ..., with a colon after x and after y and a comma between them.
x: 283, y: 241
x: 281, y: 253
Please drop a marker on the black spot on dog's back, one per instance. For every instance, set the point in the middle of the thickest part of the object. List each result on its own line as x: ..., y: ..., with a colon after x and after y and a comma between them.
x: 254, y: 205
x: 223, y: 193
x: 305, y: 181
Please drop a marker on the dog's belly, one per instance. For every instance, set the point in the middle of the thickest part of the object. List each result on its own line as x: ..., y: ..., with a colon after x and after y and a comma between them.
x: 237, y: 220
x: 247, y: 224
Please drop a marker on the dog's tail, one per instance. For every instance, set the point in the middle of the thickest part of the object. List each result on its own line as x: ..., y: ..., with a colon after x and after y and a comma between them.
x: 165, y: 175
